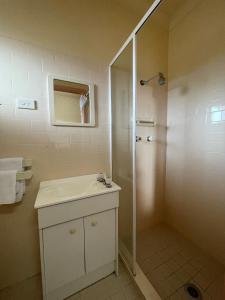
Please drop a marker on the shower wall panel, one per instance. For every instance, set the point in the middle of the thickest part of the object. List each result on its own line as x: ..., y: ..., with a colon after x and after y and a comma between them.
x: 152, y: 58
x: 195, y: 177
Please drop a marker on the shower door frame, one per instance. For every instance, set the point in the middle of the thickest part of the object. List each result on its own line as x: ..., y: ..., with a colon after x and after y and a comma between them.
x: 132, y: 39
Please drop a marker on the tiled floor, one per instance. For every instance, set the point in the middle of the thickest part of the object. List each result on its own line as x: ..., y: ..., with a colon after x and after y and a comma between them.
x: 110, y: 288
x: 170, y: 261
x: 27, y: 289
x: 167, y: 259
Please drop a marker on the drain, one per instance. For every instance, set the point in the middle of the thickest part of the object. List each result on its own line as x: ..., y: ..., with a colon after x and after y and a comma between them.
x: 193, y: 291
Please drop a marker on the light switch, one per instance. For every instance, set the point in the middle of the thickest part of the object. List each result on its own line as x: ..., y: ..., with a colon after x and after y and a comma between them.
x: 26, y: 104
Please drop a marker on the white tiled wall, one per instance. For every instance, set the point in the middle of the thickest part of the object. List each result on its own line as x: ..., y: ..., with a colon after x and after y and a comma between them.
x: 195, y: 172
x: 56, y: 151
x: 152, y: 49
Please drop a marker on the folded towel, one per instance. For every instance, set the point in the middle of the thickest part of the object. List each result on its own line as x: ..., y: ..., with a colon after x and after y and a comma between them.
x: 20, y: 190
x: 12, y: 163
x: 16, y: 164
x: 8, y: 187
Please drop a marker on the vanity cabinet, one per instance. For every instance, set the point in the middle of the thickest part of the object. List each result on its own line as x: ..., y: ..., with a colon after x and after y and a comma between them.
x: 78, y: 243
x: 100, y: 238
x: 63, y: 253
x: 78, y: 247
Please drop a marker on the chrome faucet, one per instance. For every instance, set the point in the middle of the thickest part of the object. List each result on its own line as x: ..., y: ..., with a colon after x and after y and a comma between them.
x: 105, y: 180
x: 101, y: 177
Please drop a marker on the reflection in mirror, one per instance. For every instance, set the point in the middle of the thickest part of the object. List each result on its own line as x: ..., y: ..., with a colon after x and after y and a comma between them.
x: 72, y: 102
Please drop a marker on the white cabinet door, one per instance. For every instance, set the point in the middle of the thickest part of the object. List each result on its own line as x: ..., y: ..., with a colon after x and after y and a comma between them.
x: 99, y: 239
x: 63, y: 253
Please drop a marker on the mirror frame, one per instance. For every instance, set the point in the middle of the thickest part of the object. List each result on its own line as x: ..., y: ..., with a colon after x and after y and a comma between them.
x: 53, y: 121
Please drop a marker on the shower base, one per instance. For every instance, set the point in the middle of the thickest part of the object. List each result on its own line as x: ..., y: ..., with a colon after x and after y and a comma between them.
x: 170, y: 261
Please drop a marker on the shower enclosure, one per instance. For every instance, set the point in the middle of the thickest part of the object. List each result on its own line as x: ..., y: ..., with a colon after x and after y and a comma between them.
x: 123, y: 147
x: 167, y: 94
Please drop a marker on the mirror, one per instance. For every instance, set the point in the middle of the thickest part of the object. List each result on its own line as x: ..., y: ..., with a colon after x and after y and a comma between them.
x: 71, y: 102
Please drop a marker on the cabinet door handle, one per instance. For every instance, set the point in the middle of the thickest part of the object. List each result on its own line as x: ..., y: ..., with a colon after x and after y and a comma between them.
x: 94, y: 223
x: 72, y: 231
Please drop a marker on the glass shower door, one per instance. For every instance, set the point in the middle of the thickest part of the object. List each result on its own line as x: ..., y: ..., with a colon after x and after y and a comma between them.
x: 123, y: 149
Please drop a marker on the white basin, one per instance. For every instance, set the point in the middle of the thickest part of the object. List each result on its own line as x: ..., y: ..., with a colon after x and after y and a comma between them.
x: 73, y: 188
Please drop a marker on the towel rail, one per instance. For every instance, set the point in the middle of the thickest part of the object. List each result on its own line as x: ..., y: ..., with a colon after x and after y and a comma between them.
x: 24, y: 175
x: 27, y: 163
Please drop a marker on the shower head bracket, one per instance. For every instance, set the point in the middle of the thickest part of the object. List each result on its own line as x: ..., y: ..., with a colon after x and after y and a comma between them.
x: 161, y: 79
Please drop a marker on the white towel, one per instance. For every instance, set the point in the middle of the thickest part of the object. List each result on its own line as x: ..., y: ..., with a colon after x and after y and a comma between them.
x: 16, y: 164
x: 83, y: 101
x: 8, y: 187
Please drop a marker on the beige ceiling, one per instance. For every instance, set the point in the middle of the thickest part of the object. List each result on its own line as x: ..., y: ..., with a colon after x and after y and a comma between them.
x: 91, y: 29
x: 136, y: 6
x: 84, y: 28
x: 141, y: 6
x: 169, y: 6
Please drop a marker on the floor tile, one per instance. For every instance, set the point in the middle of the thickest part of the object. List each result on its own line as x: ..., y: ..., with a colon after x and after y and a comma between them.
x: 76, y: 296
x: 109, y: 288
x: 132, y: 292
x: 25, y: 290
x: 217, y: 289
x: 177, y: 263
x: 118, y: 296
x: 182, y: 295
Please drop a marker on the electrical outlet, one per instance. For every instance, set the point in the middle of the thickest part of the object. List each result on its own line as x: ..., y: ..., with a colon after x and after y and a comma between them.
x: 26, y: 104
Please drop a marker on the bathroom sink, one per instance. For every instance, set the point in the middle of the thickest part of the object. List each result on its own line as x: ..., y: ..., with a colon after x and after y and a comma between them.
x: 68, y: 189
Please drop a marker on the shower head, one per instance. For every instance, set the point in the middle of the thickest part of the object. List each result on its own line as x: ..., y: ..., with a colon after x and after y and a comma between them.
x: 161, y: 79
